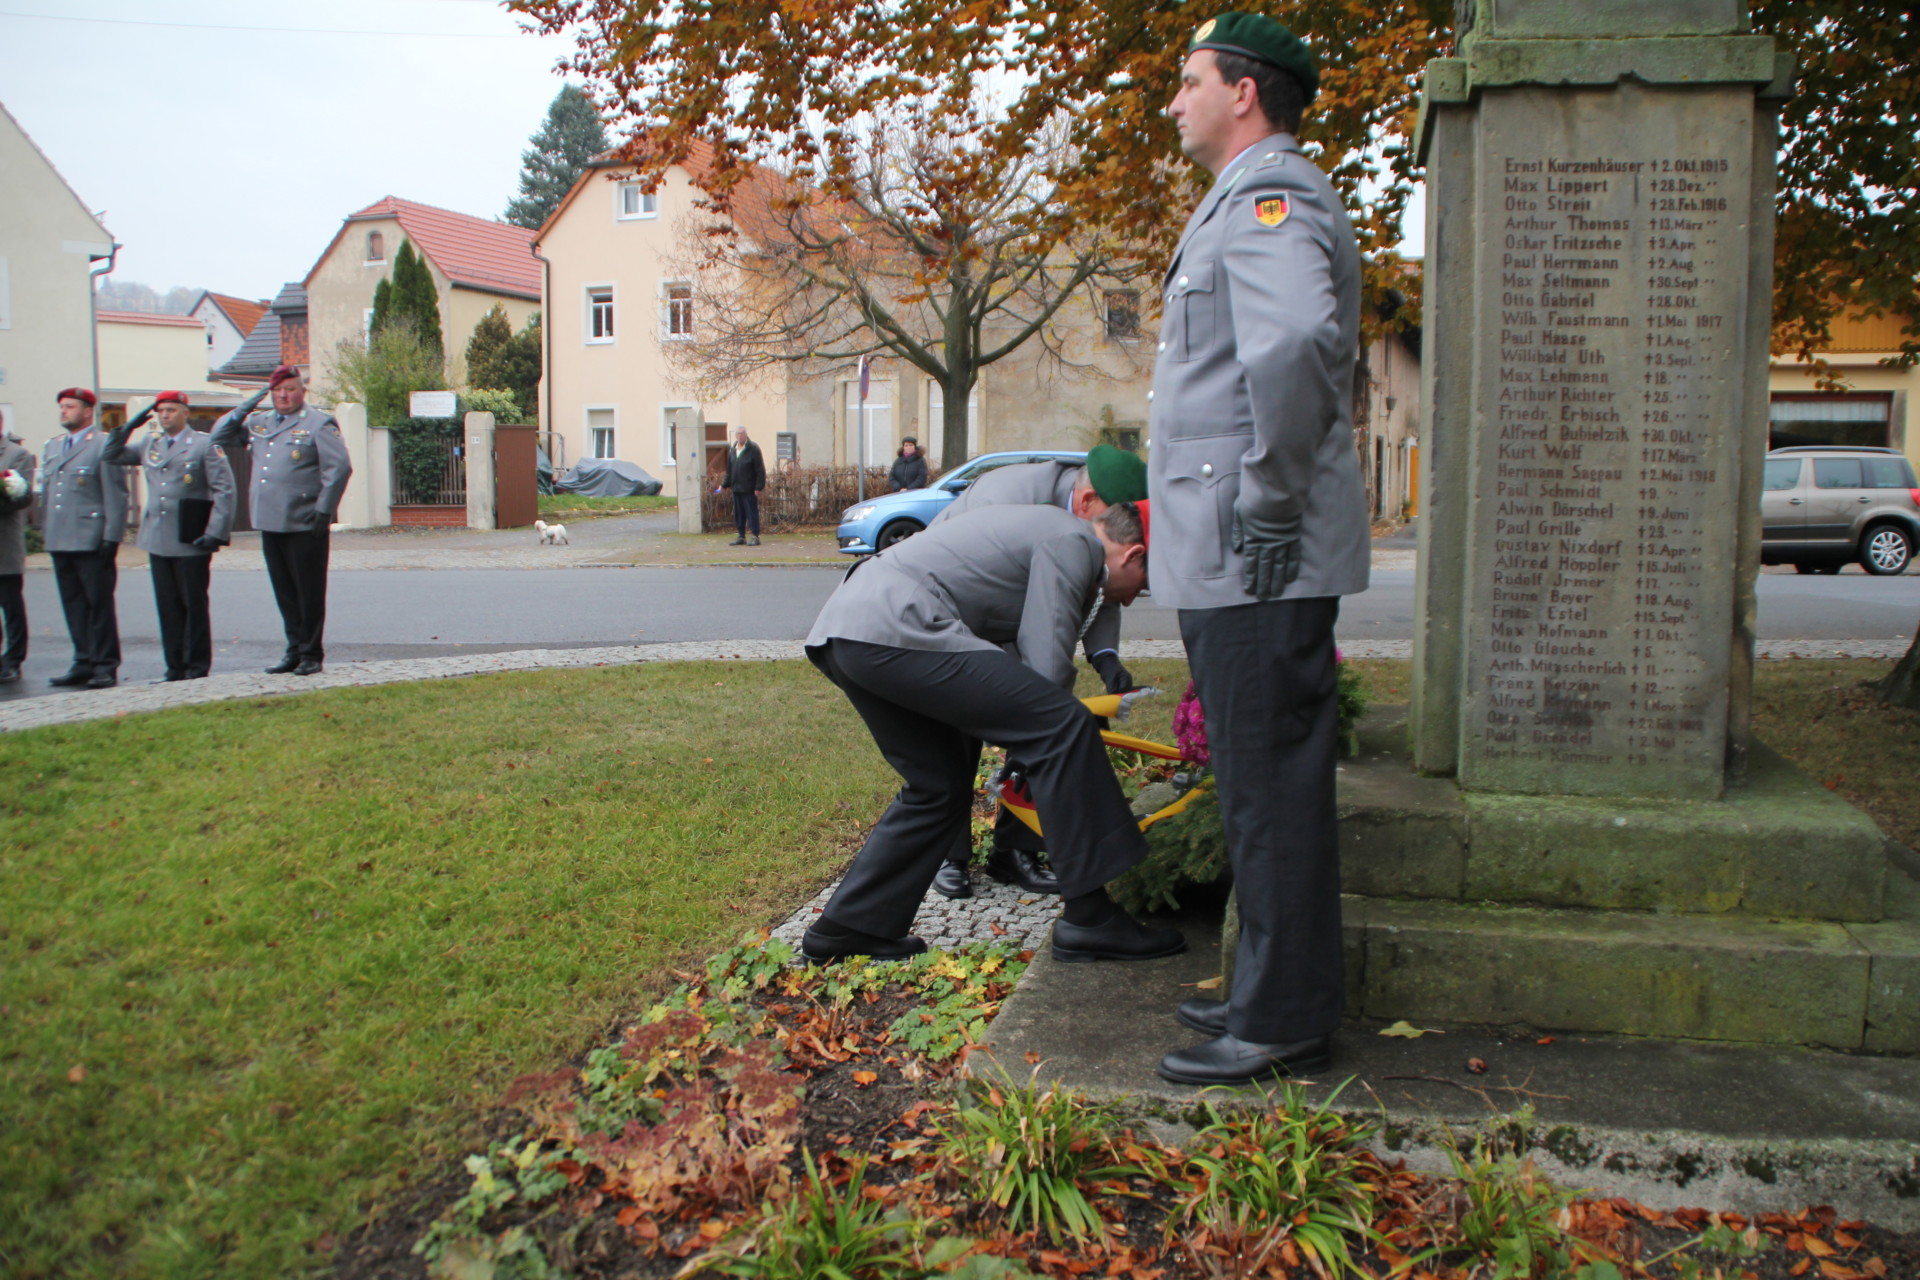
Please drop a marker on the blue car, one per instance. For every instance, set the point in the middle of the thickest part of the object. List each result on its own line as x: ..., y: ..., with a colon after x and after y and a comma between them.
x: 878, y: 523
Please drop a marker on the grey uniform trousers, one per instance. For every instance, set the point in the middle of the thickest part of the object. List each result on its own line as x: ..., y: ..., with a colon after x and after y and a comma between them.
x: 1265, y: 676
x: 928, y: 712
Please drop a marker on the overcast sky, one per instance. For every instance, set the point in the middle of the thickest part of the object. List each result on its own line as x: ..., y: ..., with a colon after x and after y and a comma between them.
x: 223, y: 153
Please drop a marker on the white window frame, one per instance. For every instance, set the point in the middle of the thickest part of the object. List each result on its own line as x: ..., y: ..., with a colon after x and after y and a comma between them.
x: 649, y: 202
x: 670, y: 447
x: 613, y: 319
x: 366, y: 326
x: 667, y: 305
x: 586, y: 421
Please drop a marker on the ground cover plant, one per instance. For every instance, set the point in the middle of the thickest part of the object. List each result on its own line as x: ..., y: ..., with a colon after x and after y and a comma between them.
x: 267, y: 963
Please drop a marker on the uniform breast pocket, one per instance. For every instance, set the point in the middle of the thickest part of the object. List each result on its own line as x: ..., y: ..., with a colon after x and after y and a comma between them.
x: 1193, y: 301
x: 1195, y: 516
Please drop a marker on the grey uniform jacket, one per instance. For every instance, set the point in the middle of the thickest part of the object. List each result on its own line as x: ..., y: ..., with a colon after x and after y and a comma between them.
x: 1036, y: 484
x: 13, y: 515
x: 85, y: 498
x: 299, y: 468
x: 1022, y: 576
x: 191, y: 466
x: 1253, y: 385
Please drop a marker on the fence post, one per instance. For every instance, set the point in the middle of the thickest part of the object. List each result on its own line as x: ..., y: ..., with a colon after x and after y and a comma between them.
x: 479, y: 458
x: 357, y: 506
x: 690, y: 486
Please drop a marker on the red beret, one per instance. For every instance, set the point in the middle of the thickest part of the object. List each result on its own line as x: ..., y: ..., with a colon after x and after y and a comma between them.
x: 281, y: 374
x: 165, y: 396
x: 81, y: 394
x: 1145, y: 508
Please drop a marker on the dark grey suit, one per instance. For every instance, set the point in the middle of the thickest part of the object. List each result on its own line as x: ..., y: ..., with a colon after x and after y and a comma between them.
x: 85, y: 517
x: 1251, y: 401
x: 188, y: 467
x: 919, y: 639
x: 299, y: 472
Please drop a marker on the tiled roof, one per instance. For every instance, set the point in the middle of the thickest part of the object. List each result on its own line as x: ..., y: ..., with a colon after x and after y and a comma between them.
x: 759, y: 200
x: 147, y: 317
x: 477, y: 253
x: 260, y: 353
x: 240, y: 311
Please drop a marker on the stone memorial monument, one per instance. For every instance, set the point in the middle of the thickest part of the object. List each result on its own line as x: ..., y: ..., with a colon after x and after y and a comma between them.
x: 1585, y: 835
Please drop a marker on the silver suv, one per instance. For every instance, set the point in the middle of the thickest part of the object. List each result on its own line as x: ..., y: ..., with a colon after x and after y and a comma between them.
x: 1823, y: 505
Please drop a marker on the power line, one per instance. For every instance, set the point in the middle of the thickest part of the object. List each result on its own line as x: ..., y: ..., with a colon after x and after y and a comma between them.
x: 303, y: 31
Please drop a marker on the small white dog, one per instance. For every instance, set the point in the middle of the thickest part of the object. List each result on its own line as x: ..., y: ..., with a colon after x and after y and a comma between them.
x: 551, y: 534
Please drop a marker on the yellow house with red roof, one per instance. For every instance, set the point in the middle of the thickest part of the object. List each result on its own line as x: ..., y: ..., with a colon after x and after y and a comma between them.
x: 476, y: 263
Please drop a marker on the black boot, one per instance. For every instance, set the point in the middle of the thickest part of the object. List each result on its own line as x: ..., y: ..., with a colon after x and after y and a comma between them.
x: 826, y: 942
x: 952, y: 881
x: 1017, y: 866
x: 286, y: 666
x: 1228, y: 1060
x: 1209, y: 1017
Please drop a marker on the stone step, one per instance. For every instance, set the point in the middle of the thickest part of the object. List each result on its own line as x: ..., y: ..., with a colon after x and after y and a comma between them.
x: 1727, y: 978
x: 1779, y: 846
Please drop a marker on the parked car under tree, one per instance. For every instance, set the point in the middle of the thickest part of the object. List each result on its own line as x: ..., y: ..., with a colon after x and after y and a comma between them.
x: 879, y: 522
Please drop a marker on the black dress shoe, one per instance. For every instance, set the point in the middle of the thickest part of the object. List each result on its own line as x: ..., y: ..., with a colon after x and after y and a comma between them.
x: 1205, y: 1015
x: 308, y: 667
x: 952, y: 881
x: 1229, y: 1060
x: 738, y: 542
x: 8, y: 675
x: 825, y: 943
x: 1017, y: 866
x: 754, y: 541
x: 1120, y: 938
x: 284, y: 667
x: 103, y: 680
x: 72, y: 680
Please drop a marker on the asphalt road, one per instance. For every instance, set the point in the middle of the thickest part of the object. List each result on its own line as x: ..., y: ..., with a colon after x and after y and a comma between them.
x: 428, y: 613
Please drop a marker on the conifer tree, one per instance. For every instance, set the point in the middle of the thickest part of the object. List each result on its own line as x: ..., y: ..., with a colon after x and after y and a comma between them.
x: 413, y: 296
x: 571, y: 136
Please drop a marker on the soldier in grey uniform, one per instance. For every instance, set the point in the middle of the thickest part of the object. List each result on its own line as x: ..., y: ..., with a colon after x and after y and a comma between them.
x: 1261, y: 527
x: 86, y: 512
x: 299, y: 470
x: 188, y: 480
x: 15, y: 458
x: 1085, y: 489
x: 963, y: 634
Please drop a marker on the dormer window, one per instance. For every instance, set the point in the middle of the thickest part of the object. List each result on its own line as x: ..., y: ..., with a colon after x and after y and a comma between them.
x: 376, y: 247
x: 635, y: 203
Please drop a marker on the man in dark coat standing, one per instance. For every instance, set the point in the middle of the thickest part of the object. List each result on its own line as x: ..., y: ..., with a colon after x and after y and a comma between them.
x: 746, y: 477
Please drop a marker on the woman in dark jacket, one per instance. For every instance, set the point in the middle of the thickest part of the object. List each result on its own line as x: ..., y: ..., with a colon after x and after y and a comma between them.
x: 909, y: 466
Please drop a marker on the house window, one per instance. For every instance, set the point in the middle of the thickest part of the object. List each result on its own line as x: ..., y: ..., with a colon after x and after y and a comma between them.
x: 600, y: 433
x: 376, y: 247
x: 1854, y: 420
x: 1123, y: 315
x: 680, y: 429
x: 600, y: 313
x: 635, y: 203
x: 679, y: 310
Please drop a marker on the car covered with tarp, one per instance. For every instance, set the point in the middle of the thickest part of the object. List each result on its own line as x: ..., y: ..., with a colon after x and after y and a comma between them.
x: 606, y: 478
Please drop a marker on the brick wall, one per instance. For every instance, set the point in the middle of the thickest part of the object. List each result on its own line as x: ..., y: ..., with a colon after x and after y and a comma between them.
x: 433, y: 517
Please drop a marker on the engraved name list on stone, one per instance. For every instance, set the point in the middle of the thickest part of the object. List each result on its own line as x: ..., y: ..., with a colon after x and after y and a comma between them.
x: 1603, y: 526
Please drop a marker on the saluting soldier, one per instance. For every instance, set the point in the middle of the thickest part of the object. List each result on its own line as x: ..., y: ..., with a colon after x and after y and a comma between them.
x: 187, y: 517
x: 1262, y: 527
x: 86, y: 513
x: 964, y: 634
x: 299, y: 468
x: 1108, y: 477
x: 16, y: 497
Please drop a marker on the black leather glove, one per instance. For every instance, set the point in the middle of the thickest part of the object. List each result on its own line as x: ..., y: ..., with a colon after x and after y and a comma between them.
x: 207, y: 542
x: 1269, y: 552
x: 1118, y: 679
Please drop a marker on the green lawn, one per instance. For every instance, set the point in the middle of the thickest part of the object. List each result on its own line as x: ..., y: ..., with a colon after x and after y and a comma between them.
x: 264, y: 960
x: 562, y: 507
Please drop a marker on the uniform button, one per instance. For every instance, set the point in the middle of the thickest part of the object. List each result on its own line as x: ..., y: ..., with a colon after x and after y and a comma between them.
x: 1163, y: 346
x: 1149, y: 397
x: 1182, y: 282
x: 1206, y: 469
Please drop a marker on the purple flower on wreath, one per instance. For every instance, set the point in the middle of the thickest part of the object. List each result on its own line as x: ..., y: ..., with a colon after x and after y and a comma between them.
x: 1190, y: 728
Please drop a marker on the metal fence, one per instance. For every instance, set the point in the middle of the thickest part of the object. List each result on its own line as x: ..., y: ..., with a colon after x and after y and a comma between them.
x: 804, y: 498
x: 447, y: 489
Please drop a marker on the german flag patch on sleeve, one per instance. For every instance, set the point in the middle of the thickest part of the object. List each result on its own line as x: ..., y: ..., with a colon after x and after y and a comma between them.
x: 1272, y: 209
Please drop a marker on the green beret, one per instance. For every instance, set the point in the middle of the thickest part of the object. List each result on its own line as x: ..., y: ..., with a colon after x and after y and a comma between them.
x: 1255, y: 35
x: 1116, y: 475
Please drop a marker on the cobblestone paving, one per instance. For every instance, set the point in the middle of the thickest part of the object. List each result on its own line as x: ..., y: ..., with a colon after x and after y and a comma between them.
x: 995, y: 913
x: 99, y: 704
